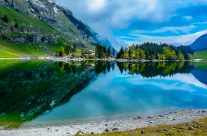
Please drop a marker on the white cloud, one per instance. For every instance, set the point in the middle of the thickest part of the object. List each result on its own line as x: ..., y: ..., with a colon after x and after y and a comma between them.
x: 186, y: 79
x: 146, y: 10
x: 105, y: 16
x: 175, y: 40
x: 96, y: 6
x: 174, y: 29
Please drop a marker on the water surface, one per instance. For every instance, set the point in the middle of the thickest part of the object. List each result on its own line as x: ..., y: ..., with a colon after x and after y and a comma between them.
x: 36, y: 93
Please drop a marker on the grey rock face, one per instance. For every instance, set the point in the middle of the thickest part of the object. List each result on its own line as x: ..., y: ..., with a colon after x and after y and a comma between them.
x: 60, y: 18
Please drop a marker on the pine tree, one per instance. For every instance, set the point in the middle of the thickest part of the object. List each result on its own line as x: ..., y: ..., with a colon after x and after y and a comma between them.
x: 109, y: 52
x: 120, y: 54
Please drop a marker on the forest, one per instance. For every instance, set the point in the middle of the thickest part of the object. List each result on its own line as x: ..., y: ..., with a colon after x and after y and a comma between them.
x: 154, y: 51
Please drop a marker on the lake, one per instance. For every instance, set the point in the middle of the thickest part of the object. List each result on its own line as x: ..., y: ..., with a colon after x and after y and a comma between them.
x: 40, y: 93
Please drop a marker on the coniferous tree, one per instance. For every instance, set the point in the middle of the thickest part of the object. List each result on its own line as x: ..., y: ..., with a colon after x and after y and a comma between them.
x: 120, y: 54
x: 151, y: 51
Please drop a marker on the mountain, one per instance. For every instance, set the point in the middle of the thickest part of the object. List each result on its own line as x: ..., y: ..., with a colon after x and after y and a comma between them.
x: 41, y: 86
x: 43, y: 23
x: 200, y: 75
x: 200, y: 43
x: 104, y: 41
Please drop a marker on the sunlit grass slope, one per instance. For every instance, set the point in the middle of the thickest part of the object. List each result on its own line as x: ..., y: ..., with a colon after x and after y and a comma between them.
x: 201, y: 55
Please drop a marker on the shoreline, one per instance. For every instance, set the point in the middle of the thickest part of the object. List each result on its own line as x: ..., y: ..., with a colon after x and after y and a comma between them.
x: 67, y: 59
x: 111, y: 125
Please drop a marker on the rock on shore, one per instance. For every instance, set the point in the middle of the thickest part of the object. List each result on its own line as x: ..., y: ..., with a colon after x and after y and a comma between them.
x: 100, y: 126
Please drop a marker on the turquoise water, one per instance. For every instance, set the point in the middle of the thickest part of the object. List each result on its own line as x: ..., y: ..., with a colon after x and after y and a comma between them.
x: 60, y: 93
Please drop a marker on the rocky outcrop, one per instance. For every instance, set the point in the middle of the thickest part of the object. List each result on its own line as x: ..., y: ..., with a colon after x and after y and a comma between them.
x: 58, y: 17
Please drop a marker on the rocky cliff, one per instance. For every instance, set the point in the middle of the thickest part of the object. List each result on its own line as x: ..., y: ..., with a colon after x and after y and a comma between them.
x: 58, y: 17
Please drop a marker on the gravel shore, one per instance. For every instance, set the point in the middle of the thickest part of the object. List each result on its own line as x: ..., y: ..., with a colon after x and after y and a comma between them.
x: 121, y: 124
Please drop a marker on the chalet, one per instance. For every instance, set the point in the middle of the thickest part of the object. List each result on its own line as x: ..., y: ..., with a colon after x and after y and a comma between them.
x: 90, y: 52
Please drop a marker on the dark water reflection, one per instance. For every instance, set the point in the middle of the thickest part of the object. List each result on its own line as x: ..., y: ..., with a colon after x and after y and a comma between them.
x: 29, y: 89
x: 151, y: 69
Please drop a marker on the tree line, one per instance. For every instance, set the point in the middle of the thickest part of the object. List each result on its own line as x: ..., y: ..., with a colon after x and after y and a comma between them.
x: 104, y: 52
x: 146, y: 51
x: 152, y: 51
x: 67, y: 50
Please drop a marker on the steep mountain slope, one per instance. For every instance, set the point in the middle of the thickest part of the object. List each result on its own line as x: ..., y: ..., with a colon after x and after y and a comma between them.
x: 26, y: 34
x: 200, y: 43
x: 43, y: 26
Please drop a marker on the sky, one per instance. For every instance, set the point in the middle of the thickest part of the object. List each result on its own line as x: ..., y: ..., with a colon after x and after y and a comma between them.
x: 123, y: 22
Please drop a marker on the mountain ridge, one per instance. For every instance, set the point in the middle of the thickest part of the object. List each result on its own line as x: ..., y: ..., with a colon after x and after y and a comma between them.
x: 200, y: 43
x: 60, y: 19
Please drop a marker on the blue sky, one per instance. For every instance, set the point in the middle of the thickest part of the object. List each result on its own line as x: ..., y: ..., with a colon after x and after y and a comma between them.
x: 124, y: 22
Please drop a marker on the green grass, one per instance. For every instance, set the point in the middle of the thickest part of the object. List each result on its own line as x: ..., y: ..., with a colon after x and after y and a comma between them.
x: 79, y: 52
x: 28, y: 27
x: 24, y: 20
x: 11, y: 121
x: 200, y: 55
x: 8, y: 50
x: 8, y: 54
x: 195, y: 128
x: 31, y: 27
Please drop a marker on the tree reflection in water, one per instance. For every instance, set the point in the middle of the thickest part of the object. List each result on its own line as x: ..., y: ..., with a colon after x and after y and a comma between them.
x: 28, y: 89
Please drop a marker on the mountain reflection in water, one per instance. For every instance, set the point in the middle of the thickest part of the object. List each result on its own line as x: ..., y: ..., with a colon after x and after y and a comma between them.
x: 30, y: 88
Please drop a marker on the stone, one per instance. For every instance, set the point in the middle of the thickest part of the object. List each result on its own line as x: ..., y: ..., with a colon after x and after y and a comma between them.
x: 161, y: 116
x: 107, y: 130
x: 79, y: 133
x: 139, y: 117
x: 142, y: 132
x: 164, y: 129
x: 151, y: 121
x: 191, y: 128
x: 115, y: 129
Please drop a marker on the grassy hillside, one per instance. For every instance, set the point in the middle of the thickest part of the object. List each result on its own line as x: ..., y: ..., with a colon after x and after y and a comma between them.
x: 200, y: 55
x: 8, y: 54
x: 8, y: 50
x: 28, y: 36
x: 24, y: 20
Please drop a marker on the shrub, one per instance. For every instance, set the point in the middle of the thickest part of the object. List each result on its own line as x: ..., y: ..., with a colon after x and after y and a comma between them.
x: 5, y: 19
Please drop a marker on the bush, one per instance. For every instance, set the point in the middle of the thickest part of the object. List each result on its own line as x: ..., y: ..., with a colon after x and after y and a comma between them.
x: 5, y: 19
